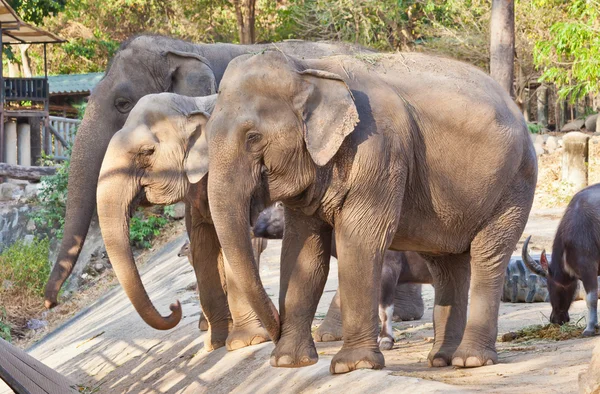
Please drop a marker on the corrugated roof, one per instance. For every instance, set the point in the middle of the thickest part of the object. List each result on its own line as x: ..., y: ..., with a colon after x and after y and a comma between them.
x: 15, y: 31
x: 73, y: 83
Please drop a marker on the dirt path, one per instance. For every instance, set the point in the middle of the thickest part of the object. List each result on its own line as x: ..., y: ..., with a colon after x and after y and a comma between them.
x: 108, y: 347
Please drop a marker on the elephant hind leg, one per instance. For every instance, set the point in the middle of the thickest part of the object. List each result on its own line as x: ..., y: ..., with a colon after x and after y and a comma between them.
x: 330, y: 329
x: 392, y: 266
x: 451, y: 282
x: 490, y: 252
x: 408, y: 302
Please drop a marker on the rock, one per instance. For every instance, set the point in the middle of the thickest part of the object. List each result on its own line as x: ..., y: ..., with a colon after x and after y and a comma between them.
x: 9, y: 191
x: 7, y: 284
x: 538, y: 149
x: 551, y: 144
x: 589, y: 381
x: 539, y: 139
x: 575, y: 125
x: 28, y: 239
x: 35, y: 324
x: 99, y: 267
x: 31, y: 191
x: 30, y: 225
x: 590, y: 122
x: 179, y: 210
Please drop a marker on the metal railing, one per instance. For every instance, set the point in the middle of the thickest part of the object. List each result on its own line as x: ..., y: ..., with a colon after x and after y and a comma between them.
x: 26, y: 89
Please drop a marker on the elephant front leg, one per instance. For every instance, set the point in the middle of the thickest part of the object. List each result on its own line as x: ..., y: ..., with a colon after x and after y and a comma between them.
x: 451, y: 282
x: 247, y: 329
x: 304, y: 268
x: 360, y: 262
x: 331, y: 328
x: 206, y: 259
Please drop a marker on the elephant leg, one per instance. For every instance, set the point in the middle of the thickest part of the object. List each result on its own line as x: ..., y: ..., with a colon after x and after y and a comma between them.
x: 392, y: 266
x: 451, y: 282
x: 490, y: 252
x: 202, y: 322
x: 247, y: 329
x: 408, y: 302
x: 207, y: 261
x: 304, y: 268
x: 331, y: 328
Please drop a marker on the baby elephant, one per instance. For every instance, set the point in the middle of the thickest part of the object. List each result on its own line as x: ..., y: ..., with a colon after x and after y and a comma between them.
x: 399, y: 270
x: 575, y: 255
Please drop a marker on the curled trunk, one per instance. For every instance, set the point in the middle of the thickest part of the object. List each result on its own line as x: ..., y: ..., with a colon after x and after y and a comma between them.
x: 113, y: 212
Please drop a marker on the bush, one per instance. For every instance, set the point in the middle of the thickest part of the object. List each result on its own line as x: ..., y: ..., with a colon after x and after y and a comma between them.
x: 52, y: 199
x: 4, y: 325
x: 143, y: 229
x: 26, y: 265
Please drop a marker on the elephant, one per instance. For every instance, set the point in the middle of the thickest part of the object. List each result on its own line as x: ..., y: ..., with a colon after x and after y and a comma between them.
x: 401, y: 278
x: 152, y: 64
x: 406, y: 151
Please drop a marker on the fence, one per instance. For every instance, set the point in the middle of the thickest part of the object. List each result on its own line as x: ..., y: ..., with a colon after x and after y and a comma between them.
x: 23, y: 142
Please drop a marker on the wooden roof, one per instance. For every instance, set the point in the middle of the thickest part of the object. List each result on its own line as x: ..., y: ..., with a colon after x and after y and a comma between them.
x: 15, y: 31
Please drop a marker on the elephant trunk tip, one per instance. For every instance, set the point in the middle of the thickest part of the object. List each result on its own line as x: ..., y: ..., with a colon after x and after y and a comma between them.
x: 174, y: 318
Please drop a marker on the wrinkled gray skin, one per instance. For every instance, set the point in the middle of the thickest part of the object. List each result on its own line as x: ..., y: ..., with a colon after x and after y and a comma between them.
x: 440, y: 163
x: 400, y: 297
x: 145, y: 65
x: 575, y: 256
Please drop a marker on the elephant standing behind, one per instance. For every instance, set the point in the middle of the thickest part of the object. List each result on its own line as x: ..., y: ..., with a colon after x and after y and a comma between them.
x: 152, y: 64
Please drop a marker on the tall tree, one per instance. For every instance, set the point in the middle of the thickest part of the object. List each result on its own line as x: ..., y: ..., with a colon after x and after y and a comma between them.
x: 502, y: 43
x: 245, y: 14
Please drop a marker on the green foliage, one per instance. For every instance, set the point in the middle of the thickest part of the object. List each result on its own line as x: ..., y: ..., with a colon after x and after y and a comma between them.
x: 534, y: 128
x: 35, y: 11
x: 49, y: 218
x: 570, y: 56
x: 143, y: 229
x: 4, y: 325
x: 26, y: 265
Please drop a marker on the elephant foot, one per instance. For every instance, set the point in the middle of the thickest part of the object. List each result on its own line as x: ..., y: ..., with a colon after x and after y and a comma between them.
x: 385, y: 342
x: 330, y: 330
x: 441, y: 355
x: 215, y: 338
x: 589, y: 332
x: 247, y: 335
x: 347, y: 360
x: 471, y: 356
x: 290, y: 353
x: 202, y: 323
x: 408, y: 303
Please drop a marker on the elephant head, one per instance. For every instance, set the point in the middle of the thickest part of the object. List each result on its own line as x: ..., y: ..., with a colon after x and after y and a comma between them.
x: 158, y: 152
x: 276, y: 126
x: 143, y: 65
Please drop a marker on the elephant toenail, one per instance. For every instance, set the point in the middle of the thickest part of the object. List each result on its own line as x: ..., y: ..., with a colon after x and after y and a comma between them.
x: 473, y: 362
x: 439, y: 363
x: 341, y: 368
x: 364, y: 365
x: 458, y: 362
x: 489, y: 362
x: 285, y: 361
x: 273, y: 361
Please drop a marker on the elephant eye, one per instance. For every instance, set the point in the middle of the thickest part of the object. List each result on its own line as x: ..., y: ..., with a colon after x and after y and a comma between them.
x: 123, y: 105
x: 147, y: 151
x: 252, y: 138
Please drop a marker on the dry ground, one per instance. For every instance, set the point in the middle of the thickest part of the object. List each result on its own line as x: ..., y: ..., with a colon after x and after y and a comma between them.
x: 107, y: 346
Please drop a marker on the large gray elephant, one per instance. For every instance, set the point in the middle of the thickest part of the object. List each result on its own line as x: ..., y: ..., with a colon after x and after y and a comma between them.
x: 153, y: 64
x: 406, y: 151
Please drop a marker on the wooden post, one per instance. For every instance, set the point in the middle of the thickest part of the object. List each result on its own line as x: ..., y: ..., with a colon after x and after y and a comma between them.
x: 575, y: 160
x: 542, y: 105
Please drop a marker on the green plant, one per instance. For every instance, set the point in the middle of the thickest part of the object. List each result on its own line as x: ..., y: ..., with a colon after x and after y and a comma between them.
x: 534, y: 128
x: 49, y: 218
x: 26, y: 265
x: 143, y: 229
x: 4, y: 327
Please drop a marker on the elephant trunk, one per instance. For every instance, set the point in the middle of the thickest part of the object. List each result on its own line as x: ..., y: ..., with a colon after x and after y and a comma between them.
x: 230, y: 205
x: 92, y: 139
x: 117, y: 190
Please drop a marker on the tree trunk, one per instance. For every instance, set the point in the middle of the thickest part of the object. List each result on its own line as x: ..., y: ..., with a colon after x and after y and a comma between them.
x: 26, y: 60
x: 542, y: 105
x: 244, y: 12
x: 502, y: 43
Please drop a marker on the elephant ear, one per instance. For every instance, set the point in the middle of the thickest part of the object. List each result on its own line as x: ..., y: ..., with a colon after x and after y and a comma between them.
x: 328, y: 111
x: 190, y: 74
x: 196, y: 160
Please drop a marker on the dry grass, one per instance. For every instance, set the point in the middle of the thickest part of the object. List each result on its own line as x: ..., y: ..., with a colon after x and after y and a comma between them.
x: 550, y: 191
x: 552, y: 332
